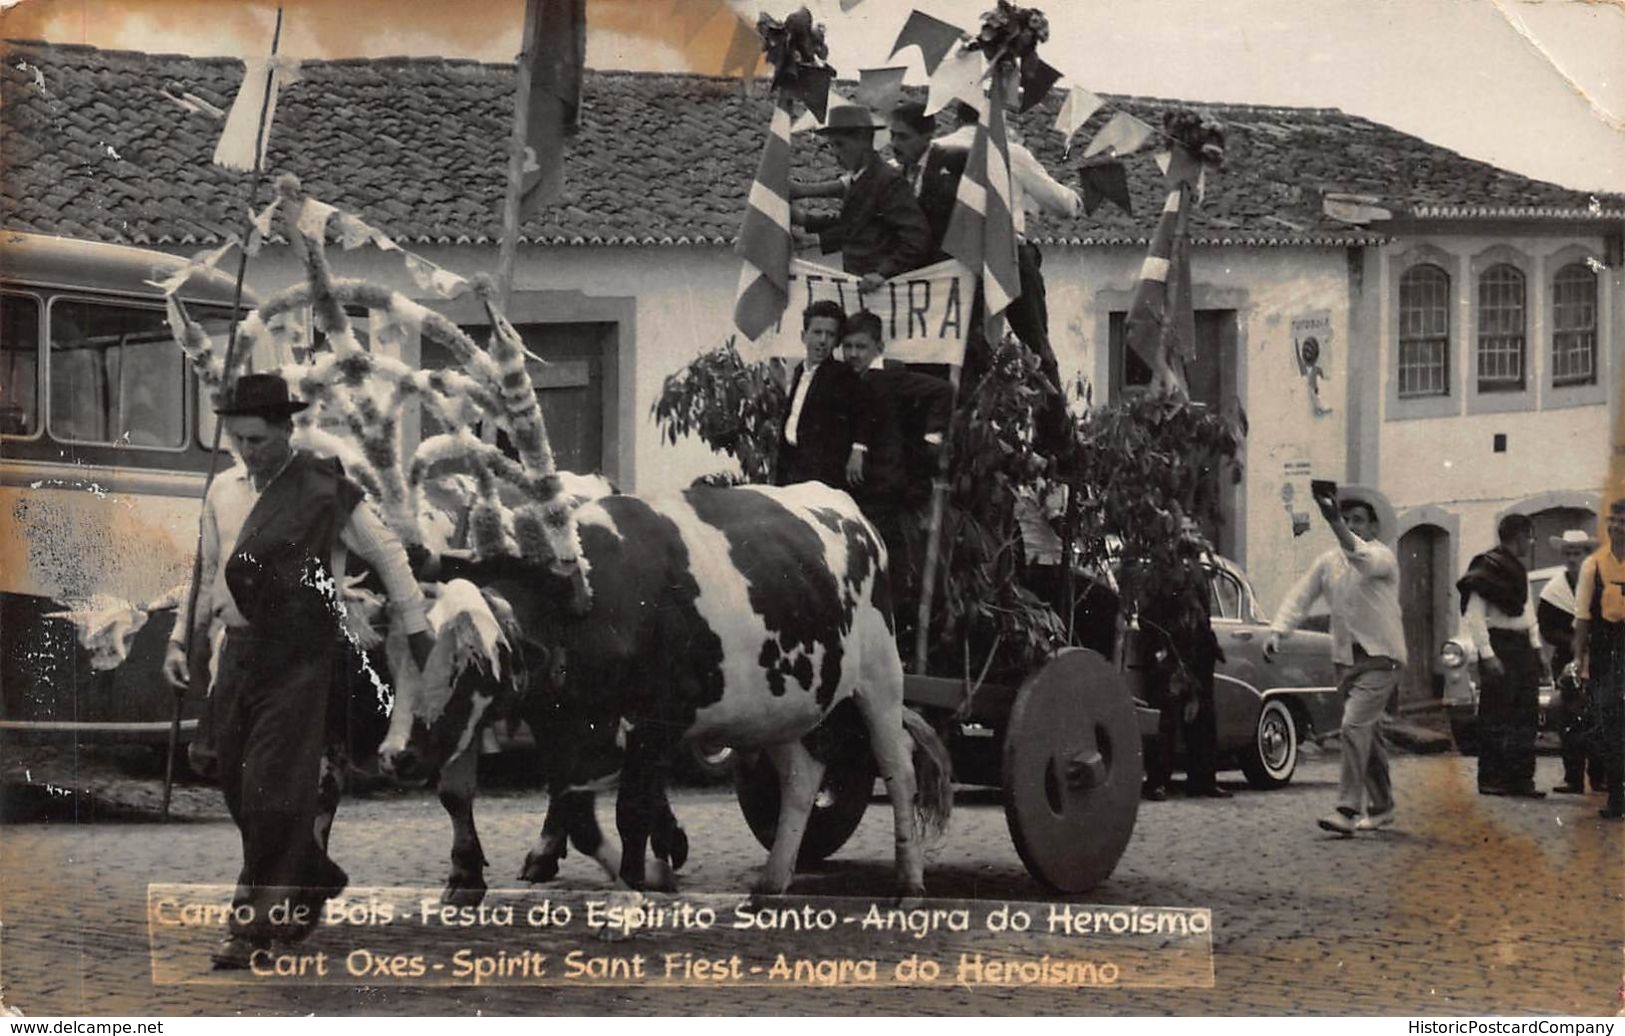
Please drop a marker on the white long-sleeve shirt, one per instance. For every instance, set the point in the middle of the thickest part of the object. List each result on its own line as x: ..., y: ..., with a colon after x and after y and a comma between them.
x: 1031, y: 184
x: 232, y: 496
x: 1481, y: 616
x: 1361, y: 587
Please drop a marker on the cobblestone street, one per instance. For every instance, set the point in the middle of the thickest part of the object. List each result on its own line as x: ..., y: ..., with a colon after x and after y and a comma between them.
x: 1470, y: 905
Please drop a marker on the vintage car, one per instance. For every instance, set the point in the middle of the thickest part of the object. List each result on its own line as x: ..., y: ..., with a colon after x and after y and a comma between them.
x: 1458, y: 670
x: 1267, y: 707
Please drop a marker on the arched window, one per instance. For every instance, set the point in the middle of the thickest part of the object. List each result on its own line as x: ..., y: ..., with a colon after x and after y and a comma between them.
x: 1424, y: 332
x: 1574, y: 326
x: 1501, y: 329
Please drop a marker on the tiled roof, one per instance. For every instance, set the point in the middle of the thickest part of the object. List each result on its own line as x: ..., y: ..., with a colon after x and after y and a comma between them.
x: 116, y: 146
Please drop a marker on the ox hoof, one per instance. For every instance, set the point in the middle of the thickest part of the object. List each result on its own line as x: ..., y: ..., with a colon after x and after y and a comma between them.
x: 463, y: 895
x: 910, y: 897
x: 679, y: 849
x: 663, y: 878
x: 539, y: 868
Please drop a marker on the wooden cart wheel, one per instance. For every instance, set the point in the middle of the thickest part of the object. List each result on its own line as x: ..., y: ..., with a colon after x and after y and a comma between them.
x: 1072, y: 770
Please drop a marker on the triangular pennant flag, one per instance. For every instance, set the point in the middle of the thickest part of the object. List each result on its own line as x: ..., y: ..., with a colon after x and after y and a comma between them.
x: 1037, y: 78
x: 261, y: 227
x: 811, y: 87
x: 933, y: 36
x: 959, y: 78
x: 1105, y: 181
x: 432, y: 278
x: 1080, y: 104
x: 692, y: 17
x: 236, y: 148
x: 313, y: 217
x: 1123, y: 135
x: 847, y: 5
x: 353, y: 231
x: 744, y: 51
x: 207, y: 259
x: 880, y: 88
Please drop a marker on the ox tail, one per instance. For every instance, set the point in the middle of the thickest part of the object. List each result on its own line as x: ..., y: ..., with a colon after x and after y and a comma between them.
x: 933, y: 776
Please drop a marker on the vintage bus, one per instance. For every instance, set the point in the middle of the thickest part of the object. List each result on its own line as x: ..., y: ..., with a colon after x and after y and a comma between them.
x: 104, y: 450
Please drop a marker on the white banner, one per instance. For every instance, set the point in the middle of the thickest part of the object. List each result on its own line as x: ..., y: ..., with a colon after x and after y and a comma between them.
x: 925, y: 314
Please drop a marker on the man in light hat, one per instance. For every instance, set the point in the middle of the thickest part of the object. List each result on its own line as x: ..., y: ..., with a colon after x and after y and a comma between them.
x: 1555, y: 614
x: 288, y: 520
x: 1359, y: 580
x: 880, y: 230
x: 1599, y: 649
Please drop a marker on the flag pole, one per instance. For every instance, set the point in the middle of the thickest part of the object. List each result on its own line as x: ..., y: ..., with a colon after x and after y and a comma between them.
x: 214, y: 446
x: 939, y: 486
x: 523, y: 72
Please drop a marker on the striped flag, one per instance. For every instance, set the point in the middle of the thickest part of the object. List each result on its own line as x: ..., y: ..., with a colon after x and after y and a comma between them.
x: 764, y: 240
x: 981, y: 232
x: 1161, y: 324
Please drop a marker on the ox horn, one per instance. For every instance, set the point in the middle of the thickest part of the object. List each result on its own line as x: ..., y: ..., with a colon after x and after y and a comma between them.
x: 519, y: 404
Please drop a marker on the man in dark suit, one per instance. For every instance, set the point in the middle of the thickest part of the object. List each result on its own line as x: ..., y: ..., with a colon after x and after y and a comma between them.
x: 932, y: 173
x: 902, y: 416
x: 820, y: 422
x: 880, y: 230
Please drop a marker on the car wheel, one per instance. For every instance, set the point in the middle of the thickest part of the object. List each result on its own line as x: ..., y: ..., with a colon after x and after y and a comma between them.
x: 1273, y: 756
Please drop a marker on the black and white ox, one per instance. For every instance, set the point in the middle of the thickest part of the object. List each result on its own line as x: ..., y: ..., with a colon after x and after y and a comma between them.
x: 736, y: 616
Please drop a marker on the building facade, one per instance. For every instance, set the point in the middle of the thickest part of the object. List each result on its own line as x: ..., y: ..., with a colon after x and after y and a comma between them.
x: 1468, y: 320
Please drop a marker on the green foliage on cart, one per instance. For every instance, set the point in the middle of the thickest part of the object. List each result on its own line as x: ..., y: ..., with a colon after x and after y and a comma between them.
x: 1135, y: 469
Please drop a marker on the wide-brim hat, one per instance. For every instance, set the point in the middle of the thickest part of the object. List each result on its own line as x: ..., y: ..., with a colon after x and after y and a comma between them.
x: 850, y: 118
x: 259, y: 395
x: 1573, y: 538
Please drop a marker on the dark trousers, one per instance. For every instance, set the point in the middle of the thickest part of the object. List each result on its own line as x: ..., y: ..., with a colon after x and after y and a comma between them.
x: 1509, y: 714
x: 269, y: 715
x: 898, y: 523
x: 1605, y: 690
x: 1160, y: 756
x: 1575, y: 724
x: 1202, y: 745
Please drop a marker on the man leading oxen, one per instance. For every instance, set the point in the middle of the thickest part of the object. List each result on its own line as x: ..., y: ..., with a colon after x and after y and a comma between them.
x: 741, y: 616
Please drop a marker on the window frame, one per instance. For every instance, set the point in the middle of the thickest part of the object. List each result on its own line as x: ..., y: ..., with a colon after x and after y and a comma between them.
x: 187, y: 393
x: 1442, y: 337
x: 41, y: 349
x: 1499, y: 341
x: 1595, y: 303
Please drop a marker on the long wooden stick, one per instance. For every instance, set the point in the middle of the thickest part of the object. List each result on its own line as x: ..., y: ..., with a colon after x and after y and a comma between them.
x: 524, y: 64
x: 933, y: 540
x: 214, y: 446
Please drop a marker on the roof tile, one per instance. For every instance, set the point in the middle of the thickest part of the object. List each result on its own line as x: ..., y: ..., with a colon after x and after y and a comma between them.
x: 418, y: 146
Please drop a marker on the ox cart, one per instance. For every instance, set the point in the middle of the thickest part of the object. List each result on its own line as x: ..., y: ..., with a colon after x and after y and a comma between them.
x: 1063, y: 742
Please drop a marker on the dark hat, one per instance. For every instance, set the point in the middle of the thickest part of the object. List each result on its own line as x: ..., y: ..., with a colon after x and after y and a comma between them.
x: 259, y: 395
x: 849, y: 117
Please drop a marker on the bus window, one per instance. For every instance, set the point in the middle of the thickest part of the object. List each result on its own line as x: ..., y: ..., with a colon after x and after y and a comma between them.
x: 117, y: 376
x: 19, y: 364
